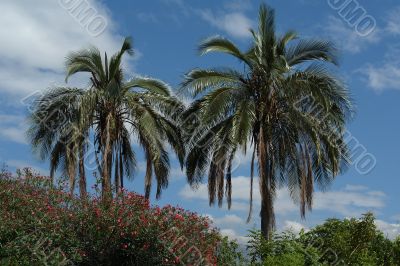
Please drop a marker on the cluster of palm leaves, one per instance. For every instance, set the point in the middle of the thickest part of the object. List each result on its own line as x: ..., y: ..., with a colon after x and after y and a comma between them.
x: 261, y: 111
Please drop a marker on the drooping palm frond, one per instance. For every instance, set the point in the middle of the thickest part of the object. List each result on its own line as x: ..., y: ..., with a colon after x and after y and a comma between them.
x: 309, y: 50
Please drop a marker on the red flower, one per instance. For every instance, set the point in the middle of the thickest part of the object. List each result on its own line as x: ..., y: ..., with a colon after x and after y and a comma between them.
x: 179, y: 217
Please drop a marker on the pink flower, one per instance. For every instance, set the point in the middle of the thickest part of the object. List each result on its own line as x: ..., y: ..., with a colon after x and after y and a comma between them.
x: 179, y: 217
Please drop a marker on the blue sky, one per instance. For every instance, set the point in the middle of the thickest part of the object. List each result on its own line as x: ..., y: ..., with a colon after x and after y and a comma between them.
x: 35, y: 37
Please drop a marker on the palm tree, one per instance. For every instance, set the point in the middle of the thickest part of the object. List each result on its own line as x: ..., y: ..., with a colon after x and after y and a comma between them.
x: 265, y: 109
x: 55, y: 132
x: 117, y: 111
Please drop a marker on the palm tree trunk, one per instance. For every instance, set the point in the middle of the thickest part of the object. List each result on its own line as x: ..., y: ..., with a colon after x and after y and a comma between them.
x: 266, y: 178
x: 71, y: 169
x: 82, y: 176
x: 106, y: 175
x: 116, y: 176
x: 121, y: 172
x: 148, y: 178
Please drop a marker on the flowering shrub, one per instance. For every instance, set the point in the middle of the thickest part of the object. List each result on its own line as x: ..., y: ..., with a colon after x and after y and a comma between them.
x: 43, y: 225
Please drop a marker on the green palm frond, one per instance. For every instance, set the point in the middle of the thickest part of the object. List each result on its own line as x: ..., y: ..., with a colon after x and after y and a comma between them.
x: 309, y: 50
x: 199, y: 81
x: 150, y: 85
x: 87, y: 60
x: 222, y: 45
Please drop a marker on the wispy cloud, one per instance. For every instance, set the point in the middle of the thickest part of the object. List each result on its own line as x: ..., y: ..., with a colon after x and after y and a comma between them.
x: 238, y: 5
x: 234, y: 23
x: 346, y: 37
x: 294, y: 227
x: 175, y: 172
x: 18, y: 164
x: 344, y: 202
x: 230, y: 219
x: 389, y: 230
x: 393, y: 21
x: 230, y: 18
x: 229, y: 224
x: 351, y: 200
x: 12, y: 128
x: 233, y: 235
x: 147, y: 17
x: 384, y: 75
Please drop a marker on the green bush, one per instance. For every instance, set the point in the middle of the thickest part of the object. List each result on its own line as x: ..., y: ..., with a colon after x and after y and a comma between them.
x: 335, y: 242
x: 282, y: 249
x: 352, y: 242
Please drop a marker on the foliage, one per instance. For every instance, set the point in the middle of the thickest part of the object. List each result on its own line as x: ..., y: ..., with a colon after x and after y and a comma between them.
x: 335, y: 242
x: 281, y: 249
x: 396, y: 249
x: 229, y: 253
x: 42, y: 225
x: 353, y: 242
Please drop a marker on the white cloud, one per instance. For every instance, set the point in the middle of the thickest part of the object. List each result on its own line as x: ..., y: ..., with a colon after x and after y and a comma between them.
x: 233, y: 23
x: 240, y: 187
x: 348, y: 203
x: 238, y: 5
x: 12, y: 128
x: 294, y: 227
x: 175, y: 173
x: 231, y: 20
x: 18, y: 164
x: 36, y: 36
x: 390, y: 230
x: 393, y: 21
x: 233, y: 235
x: 384, y: 75
x: 344, y: 202
x: 241, y: 159
x: 346, y: 37
x: 229, y: 220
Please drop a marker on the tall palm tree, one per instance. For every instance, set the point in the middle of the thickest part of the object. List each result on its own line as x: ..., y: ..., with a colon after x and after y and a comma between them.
x: 117, y: 111
x: 265, y: 109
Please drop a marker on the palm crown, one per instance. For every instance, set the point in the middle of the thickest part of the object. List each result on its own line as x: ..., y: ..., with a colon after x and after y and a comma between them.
x: 270, y: 109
